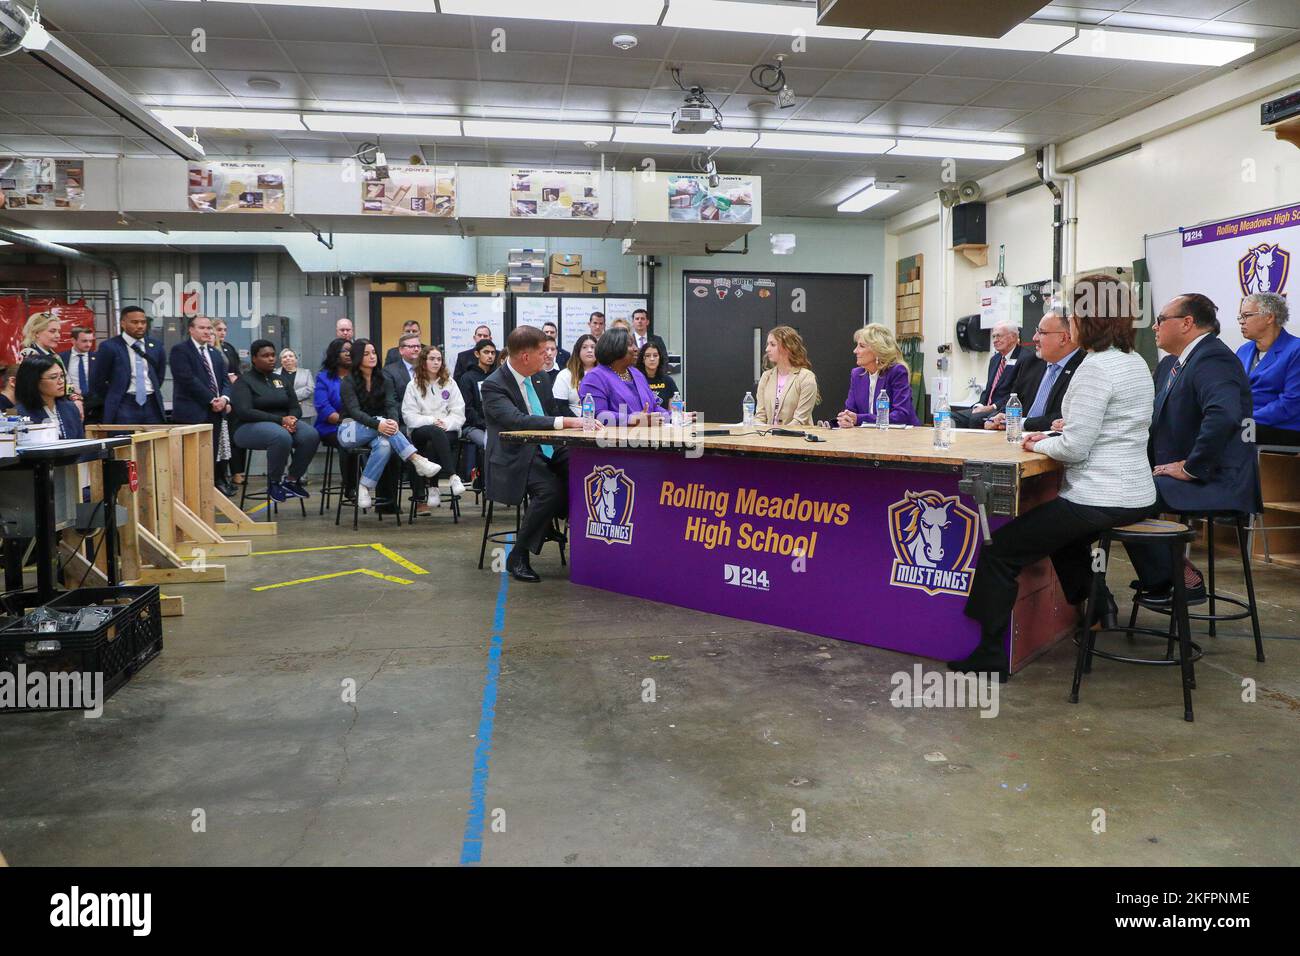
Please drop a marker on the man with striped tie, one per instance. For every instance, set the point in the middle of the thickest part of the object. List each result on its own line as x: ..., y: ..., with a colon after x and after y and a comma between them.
x: 1003, y: 365
x: 129, y: 373
x: 201, y: 391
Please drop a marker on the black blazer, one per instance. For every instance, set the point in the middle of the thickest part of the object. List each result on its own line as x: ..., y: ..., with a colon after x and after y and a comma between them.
x: 652, y: 339
x: 1199, y: 420
x: 230, y: 355
x: 369, y: 416
x: 1029, y: 377
x: 1008, y: 379
x: 562, y: 357
x: 397, y: 374
x: 465, y: 361
x: 506, y: 409
x: 469, y: 391
x: 264, y: 398
x: 192, y: 393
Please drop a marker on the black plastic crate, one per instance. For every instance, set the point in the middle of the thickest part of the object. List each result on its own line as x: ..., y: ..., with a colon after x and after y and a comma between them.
x: 118, y: 648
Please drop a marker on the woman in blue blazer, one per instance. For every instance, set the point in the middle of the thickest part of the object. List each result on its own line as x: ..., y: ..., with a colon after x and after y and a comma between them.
x: 1271, y: 357
x: 41, y: 395
x: 336, y: 366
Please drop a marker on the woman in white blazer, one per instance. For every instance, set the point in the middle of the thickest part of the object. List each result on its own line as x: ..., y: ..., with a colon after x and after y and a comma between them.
x: 433, y: 411
x: 304, y: 383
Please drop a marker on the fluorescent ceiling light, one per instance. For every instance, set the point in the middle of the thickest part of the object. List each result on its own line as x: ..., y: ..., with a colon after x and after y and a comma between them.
x: 392, y: 125
x: 1156, y: 47
x: 399, y: 6
x: 231, y: 119
x: 659, y: 136
x: 807, y: 142
x: 566, y: 11
x: 1030, y: 37
x: 867, y: 198
x: 954, y: 150
x: 501, y: 129
x: 776, y: 19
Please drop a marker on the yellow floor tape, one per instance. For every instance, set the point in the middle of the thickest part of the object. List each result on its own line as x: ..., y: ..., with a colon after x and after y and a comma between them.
x: 335, y: 574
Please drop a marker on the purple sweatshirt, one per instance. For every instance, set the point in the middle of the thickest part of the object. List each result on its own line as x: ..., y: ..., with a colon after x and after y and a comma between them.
x: 896, y: 380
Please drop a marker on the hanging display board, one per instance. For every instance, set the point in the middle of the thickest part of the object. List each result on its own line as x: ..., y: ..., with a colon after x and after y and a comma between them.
x: 619, y: 308
x: 461, y: 315
x: 240, y: 187
x: 554, y: 193
x: 410, y: 191
x: 537, y: 311
x: 41, y: 183
x: 692, y: 199
x: 575, y: 318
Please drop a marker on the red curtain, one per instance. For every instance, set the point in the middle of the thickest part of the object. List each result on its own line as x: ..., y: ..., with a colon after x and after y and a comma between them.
x: 14, y: 313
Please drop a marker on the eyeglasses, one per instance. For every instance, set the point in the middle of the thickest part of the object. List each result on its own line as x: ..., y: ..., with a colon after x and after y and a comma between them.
x: 1042, y: 331
x: 1246, y: 315
x: 1166, y: 318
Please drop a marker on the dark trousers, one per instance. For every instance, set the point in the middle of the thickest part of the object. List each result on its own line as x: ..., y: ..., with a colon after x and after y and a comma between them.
x: 437, y: 446
x: 294, y: 449
x: 130, y: 413
x: 1268, y: 435
x: 963, y: 418
x: 548, y: 499
x: 1059, y: 529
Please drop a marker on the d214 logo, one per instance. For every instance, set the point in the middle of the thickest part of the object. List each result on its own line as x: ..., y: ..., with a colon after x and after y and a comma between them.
x: 934, y: 538
x: 610, y: 494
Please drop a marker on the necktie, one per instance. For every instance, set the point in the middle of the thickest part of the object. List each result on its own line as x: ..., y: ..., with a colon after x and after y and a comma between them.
x: 212, y: 376
x: 1173, y: 374
x: 82, y: 359
x: 994, y: 387
x: 1044, y: 391
x: 535, y: 405
x: 140, y: 396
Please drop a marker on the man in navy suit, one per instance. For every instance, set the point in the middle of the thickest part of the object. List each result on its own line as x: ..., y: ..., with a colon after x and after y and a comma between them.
x: 1198, y: 449
x: 1003, y: 365
x: 129, y: 373
x: 80, y: 363
x: 201, y: 390
x: 1041, y: 383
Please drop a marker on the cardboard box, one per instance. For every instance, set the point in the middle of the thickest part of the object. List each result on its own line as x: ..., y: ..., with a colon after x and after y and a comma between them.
x: 388, y: 287
x: 566, y: 264
x: 556, y: 283
x: 594, y: 277
x: 600, y: 287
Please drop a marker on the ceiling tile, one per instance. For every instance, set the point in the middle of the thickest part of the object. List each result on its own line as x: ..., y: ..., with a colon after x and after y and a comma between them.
x: 824, y: 53
x: 16, y: 124
x: 530, y: 36
x: 92, y: 16
x: 459, y: 92
x: 357, y: 59
x: 613, y: 71
x: 330, y: 87
x: 1069, y: 70
x: 596, y: 39
x: 154, y: 51
x: 1052, y: 123
x: 218, y: 19
x: 295, y: 24
x: 1098, y: 101
x: 988, y: 64
x: 13, y: 79
x: 27, y: 145
x: 37, y: 105
x: 525, y: 95
x: 90, y: 104
x: 103, y: 144
x: 1147, y: 77
x: 402, y: 28
x: 250, y: 55
x: 833, y: 110
x: 900, y: 112
x: 979, y: 118
x: 425, y: 62
x: 710, y: 46
x: 602, y: 98
x: 900, y: 57
x: 1274, y: 13
x: 1072, y: 14
x: 236, y: 81
x: 145, y: 80
x: 1138, y: 21
x: 869, y: 86
x: 1201, y: 9
x: 715, y: 78
x: 517, y: 67
x: 1023, y: 96
x: 947, y: 89
x: 80, y: 125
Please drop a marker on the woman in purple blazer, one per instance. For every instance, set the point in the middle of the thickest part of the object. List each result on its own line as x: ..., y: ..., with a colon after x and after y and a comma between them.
x: 621, y: 393
x: 880, y: 366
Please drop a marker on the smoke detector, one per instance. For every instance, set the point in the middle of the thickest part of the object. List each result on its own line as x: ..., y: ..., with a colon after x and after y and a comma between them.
x: 625, y: 41
x: 263, y: 84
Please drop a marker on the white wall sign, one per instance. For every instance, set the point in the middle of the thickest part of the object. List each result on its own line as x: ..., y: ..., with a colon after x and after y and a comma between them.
x: 537, y: 311
x: 461, y: 315
x: 575, y: 317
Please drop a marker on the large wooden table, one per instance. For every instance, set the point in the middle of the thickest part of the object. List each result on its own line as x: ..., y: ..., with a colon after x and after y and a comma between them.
x: 869, y: 536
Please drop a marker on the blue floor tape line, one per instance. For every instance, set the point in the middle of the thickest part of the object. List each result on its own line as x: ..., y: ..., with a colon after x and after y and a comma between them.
x: 471, y: 850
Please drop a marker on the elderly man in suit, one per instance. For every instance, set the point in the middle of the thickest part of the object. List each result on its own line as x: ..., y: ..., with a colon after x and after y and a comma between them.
x: 1041, y: 384
x: 1003, y: 365
x: 1198, y: 449
x: 129, y: 373
x: 515, y: 397
x: 201, y: 392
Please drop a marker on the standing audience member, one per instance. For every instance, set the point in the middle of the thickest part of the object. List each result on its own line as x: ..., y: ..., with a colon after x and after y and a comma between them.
x: 129, y: 373
x: 618, y: 389
x: 434, y: 412
x: 370, y: 421
x: 342, y: 330
x: 41, y: 335
x: 553, y: 330
x: 653, y: 363
x: 485, y: 355
x: 880, y: 368
x: 304, y: 383
x: 1003, y: 364
x: 787, y: 391
x: 328, y: 400
x: 641, y: 332
x: 234, y: 368
x: 79, y: 362
x: 467, y: 359
x: 1041, y: 384
x: 270, y: 419
x: 201, y: 392
x: 41, y: 395
x: 1271, y: 357
x: 596, y: 325
x: 582, y: 361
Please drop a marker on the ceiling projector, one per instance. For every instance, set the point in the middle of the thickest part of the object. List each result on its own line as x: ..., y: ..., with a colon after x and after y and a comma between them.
x: 695, y: 115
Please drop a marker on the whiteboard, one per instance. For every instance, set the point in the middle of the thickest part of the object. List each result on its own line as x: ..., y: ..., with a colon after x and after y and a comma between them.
x: 622, y: 309
x: 575, y: 319
x: 461, y: 315
x: 536, y: 311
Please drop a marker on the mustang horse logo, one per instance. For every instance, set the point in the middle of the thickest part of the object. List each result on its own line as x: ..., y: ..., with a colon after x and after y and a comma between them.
x: 1264, y: 268
x: 934, y: 539
x: 609, y: 494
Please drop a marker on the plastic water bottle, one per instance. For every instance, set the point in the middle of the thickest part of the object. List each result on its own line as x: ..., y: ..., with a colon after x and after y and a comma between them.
x: 1015, y: 419
x: 747, y: 408
x: 678, y: 409
x: 882, y: 409
x: 942, y: 427
x: 588, y: 414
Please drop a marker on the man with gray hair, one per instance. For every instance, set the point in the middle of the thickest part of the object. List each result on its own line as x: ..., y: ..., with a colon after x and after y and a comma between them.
x: 1271, y: 357
x: 1007, y: 353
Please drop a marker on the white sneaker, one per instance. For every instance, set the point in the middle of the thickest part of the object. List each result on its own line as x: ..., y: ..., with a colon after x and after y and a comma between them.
x: 435, y: 498
x: 457, y: 486
x: 423, y: 467
x: 364, y: 501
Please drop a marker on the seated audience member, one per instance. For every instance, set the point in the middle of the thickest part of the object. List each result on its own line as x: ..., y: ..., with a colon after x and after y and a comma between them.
x: 328, y: 401
x: 561, y: 356
x: 409, y: 327
x: 1007, y: 353
x: 485, y: 354
x: 304, y: 383
x: 8, y: 376
x: 467, y: 359
x: 434, y: 412
x: 1040, y: 385
x: 129, y: 373
x: 1271, y: 357
x: 1198, y: 451
x: 653, y: 364
x: 619, y: 390
x: 41, y: 395
x: 516, y: 397
x: 1106, y: 481
x: 880, y: 368
x: 549, y: 365
x: 201, y: 393
x: 787, y: 391
x: 270, y: 420
x: 371, y: 421
x: 582, y: 361
x: 596, y: 325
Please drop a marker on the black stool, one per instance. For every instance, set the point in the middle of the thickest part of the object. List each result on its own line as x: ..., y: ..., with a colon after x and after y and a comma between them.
x: 499, y: 537
x: 1148, y: 531
x: 245, y: 494
x: 1248, y: 607
x: 361, y: 456
x: 444, y: 495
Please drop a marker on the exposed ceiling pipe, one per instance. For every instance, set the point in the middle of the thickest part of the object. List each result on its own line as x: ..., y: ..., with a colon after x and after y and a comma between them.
x: 1070, y: 210
x: 67, y: 252
x: 1057, y: 217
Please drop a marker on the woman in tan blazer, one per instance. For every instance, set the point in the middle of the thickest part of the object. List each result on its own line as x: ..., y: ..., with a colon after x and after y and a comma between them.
x: 787, y: 392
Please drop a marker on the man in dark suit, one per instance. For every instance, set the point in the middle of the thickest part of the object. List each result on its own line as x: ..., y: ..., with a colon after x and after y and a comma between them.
x: 80, y: 363
x: 467, y: 359
x: 515, y: 397
x: 642, y: 335
x: 1003, y: 365
x: 1041, y: 384
x: 551, y: 330
x: 1199, y: 454
x: 201, y: 391
x: 400, y: 372
x: 409, y: 327
x: 129, y: 373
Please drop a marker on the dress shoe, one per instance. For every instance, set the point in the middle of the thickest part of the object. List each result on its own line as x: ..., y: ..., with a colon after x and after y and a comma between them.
x: 555, y: 534
x: 422, y: 509
x: 984, y: 660
x: 1105, y: 613
x: 519, y: 568
x: 227, y: 489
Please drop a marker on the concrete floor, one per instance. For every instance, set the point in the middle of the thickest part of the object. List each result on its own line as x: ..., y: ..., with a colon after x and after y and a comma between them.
x: 242, y: 717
